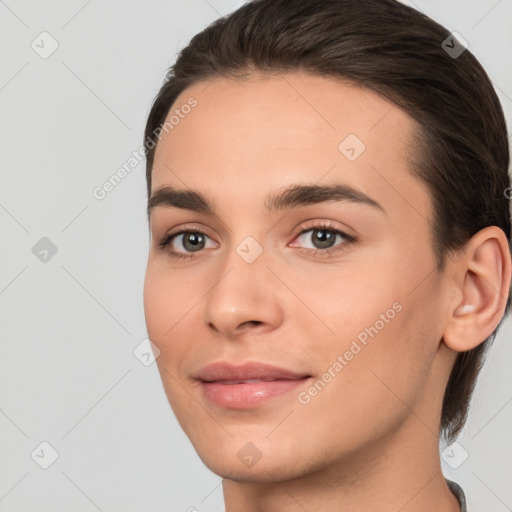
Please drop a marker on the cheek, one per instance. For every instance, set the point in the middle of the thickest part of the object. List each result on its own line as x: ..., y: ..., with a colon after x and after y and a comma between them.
x: 166, y: 300
x: 387, y: 342
x: 378, y: 378
x: 165, y: 308
x: 156, y: 303
x: 350, y: 296
x: 396, y: 362
x: 171, y: 305
x: 355, y: 306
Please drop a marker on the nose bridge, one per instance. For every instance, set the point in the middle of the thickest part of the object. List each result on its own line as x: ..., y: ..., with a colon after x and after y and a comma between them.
x: 244, y: 291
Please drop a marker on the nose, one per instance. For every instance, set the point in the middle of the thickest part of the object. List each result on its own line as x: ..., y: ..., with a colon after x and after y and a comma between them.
x: 244, y: 298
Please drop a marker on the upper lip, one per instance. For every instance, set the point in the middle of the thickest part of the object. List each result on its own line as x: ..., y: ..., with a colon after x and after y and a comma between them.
x: 224, y: 371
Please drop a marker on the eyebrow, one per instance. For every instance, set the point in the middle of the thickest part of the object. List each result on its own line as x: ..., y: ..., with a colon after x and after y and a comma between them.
x: 292, y: 197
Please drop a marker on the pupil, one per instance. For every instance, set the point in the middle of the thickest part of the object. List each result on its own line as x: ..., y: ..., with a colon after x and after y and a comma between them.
x: 324, y: 238
x: 193, y: 241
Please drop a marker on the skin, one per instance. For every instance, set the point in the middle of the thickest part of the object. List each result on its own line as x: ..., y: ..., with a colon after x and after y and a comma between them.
x: 369, y: 439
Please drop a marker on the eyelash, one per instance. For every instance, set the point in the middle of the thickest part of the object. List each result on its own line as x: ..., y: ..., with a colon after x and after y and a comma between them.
x: 320, y: 226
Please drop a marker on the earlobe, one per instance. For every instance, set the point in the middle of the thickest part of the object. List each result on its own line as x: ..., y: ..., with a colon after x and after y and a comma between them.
x: 483, y: 279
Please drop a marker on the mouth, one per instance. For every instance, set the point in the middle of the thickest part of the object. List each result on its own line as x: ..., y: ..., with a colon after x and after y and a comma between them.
x: 246, y: 381
x: 247, y: 386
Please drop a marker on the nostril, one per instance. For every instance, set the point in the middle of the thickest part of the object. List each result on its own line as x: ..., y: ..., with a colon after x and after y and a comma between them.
x: 252, y: 322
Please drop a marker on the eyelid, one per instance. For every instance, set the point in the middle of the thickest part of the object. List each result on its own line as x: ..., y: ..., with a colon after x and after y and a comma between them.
x: 324, y: 225
x: 187, y: 228
x: 327, y: 224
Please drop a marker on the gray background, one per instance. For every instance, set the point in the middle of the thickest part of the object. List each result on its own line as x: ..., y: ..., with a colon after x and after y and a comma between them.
x: 69, y: 325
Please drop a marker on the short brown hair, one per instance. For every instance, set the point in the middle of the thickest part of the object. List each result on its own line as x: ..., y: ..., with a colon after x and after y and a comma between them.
x: 396, y: 51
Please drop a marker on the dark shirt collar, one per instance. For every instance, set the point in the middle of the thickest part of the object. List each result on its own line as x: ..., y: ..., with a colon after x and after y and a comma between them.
x: 459, y: 493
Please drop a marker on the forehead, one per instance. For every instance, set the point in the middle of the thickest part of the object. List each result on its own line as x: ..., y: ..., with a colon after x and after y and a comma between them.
x: 265, y: 132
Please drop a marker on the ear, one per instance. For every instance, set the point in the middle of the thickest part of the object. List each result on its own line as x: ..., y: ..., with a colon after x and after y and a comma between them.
x: 482, y: 279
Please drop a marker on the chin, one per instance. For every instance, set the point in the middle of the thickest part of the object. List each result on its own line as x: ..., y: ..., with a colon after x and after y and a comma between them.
x: 268, y: 471
x: 261, y: 460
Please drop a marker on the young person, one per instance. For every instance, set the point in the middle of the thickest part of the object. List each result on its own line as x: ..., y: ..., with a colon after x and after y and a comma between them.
x: 330, y: 257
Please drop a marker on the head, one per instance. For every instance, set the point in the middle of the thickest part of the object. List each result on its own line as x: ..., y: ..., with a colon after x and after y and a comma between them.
x: 363, y: 96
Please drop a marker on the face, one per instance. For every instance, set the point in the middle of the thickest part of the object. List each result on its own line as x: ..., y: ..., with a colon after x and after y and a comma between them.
x: 292, y: 327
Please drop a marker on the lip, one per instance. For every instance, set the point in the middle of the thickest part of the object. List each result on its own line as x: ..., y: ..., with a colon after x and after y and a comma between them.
x: 248, y: 385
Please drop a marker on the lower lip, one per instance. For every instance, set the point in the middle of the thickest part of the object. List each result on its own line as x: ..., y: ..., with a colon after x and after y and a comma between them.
x: 248, y: 395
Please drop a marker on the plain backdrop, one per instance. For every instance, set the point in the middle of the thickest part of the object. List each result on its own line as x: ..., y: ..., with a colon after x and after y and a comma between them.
x: 72, y: 266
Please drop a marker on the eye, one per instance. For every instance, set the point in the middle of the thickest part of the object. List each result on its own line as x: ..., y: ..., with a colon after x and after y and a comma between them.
x: 324, y: 239
x: 184, y: 243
